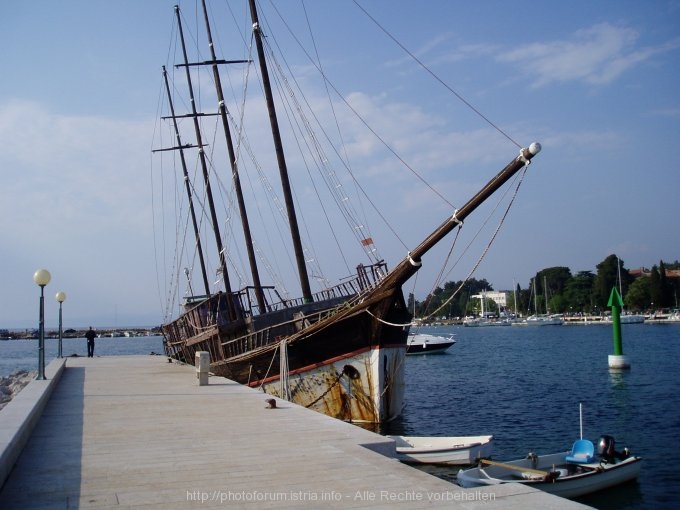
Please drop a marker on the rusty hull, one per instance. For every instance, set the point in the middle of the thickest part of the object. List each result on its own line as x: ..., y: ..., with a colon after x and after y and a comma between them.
x: 366, y: 387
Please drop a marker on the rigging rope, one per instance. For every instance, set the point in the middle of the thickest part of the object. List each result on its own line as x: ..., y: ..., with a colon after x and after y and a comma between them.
x: 488, y: 246
x: 432, y: 73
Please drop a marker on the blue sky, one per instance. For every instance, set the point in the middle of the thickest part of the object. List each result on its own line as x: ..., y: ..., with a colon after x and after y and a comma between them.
x: 597, y: 83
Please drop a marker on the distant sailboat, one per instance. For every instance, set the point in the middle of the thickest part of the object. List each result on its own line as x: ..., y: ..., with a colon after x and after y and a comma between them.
x: 625, y: 317
x: 545, y: 319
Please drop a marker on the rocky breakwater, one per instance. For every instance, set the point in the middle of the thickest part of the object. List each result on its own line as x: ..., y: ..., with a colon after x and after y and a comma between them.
x: 13, y: 384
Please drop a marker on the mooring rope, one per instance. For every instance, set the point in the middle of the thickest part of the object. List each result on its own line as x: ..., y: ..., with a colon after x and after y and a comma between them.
x: 389, y: 323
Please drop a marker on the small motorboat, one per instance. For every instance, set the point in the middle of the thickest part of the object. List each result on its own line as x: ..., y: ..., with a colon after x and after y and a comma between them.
x: 458, y: 450
x: 423, y: 343
x: 569, y: 474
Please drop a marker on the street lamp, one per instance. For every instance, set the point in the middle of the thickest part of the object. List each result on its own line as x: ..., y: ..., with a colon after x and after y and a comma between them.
x: 41, y: 277
x: 61, y: 297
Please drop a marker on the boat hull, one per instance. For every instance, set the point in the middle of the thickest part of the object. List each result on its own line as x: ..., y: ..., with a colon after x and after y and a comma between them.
x: 544, y: 321
x: 422, y: 343
x: 457, y: 450
x: 362, y: 387
x: 574, y: 480
x: 344, y: 361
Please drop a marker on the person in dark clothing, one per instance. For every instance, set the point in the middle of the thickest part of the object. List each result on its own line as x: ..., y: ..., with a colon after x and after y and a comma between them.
x: 90, y: 335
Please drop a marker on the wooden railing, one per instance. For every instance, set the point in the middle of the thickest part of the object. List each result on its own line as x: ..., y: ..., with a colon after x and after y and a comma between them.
x: 211, y: 313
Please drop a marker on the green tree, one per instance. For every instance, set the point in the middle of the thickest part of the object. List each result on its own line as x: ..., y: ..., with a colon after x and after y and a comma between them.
x: 549, y: 284
x: 666, y: 287
x: 578, y: 292
x: 655, y: 290
x: 638, y: 296
x: 459, y: 305
x: 606, y: 278
x: 411, y: 302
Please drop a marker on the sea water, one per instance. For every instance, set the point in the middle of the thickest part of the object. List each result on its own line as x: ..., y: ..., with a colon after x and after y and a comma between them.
x: 524, y: 386
x: 23, y: 354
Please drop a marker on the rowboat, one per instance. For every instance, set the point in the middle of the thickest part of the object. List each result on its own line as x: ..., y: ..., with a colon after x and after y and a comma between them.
x: 456, y: 450
x: 423, y: 343
x: 568, y: 474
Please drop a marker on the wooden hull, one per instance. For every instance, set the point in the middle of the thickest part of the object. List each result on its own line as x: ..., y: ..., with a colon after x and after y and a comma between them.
x: 344, y: 361
x: 574, y: 480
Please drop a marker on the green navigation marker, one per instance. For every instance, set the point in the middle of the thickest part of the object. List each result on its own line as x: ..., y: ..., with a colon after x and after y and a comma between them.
x: 617, y: 360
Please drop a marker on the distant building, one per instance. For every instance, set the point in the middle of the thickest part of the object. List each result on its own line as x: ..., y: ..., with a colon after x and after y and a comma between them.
x: 500, y: 298
x: 643, y: 271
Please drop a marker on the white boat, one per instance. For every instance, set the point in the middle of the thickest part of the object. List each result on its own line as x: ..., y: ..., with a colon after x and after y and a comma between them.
x: 479, y: 322
x: 627, y: 318
x: 423, y: 343
x: 457, y: 450
x: 568, y: 474
x: 544, y: 320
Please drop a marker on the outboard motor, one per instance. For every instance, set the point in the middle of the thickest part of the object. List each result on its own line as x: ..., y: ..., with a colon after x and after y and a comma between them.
x: 606, y: 449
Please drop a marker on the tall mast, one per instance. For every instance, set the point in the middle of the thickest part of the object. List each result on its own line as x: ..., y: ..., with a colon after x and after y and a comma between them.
x: 259, y: 296
x: 206, y: 176
x: 283, y: 170
x: 187, y: 184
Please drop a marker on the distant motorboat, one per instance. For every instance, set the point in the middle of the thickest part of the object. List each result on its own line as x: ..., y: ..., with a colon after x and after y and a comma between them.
x: 456, y: 450
x: 423, y: 343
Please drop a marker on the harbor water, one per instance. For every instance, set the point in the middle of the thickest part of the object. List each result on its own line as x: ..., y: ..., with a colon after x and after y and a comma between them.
x: 524, y: 385
x: 23, y: 354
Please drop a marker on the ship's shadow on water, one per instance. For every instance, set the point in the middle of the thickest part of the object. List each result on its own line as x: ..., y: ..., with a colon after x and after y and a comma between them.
x: 524, y: 386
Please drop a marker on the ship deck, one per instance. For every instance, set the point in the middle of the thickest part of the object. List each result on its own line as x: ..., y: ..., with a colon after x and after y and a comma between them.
x: 139, y: 432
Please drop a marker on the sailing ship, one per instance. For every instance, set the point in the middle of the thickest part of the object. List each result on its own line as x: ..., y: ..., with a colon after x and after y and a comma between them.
x: 339, y: 351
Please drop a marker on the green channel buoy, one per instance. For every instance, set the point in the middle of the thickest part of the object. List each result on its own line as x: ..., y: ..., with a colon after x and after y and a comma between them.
x: 617, y: 360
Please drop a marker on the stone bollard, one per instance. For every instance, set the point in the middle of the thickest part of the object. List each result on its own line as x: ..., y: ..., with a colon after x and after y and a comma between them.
x: 202, y: 367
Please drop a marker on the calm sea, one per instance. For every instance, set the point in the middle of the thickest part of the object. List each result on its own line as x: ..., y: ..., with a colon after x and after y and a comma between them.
x: 23, y: 354
x: 524, y: 385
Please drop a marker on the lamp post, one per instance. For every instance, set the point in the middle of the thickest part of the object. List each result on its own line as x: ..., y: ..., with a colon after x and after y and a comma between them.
x: 41, y: 277
x: 61, y: 297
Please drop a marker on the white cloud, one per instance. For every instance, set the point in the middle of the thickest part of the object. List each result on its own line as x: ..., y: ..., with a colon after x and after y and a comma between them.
x: 597, y: 55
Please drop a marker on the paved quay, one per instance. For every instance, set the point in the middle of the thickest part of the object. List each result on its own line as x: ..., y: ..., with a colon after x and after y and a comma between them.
x: 139, y: 432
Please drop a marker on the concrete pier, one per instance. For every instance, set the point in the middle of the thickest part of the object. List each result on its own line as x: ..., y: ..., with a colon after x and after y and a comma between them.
x: 139, y: 432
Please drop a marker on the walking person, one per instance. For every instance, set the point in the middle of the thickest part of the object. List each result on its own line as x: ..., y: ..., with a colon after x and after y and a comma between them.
x: 90, y: 335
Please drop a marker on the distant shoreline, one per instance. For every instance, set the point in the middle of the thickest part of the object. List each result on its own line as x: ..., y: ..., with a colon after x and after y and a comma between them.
x: 32, y: 334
